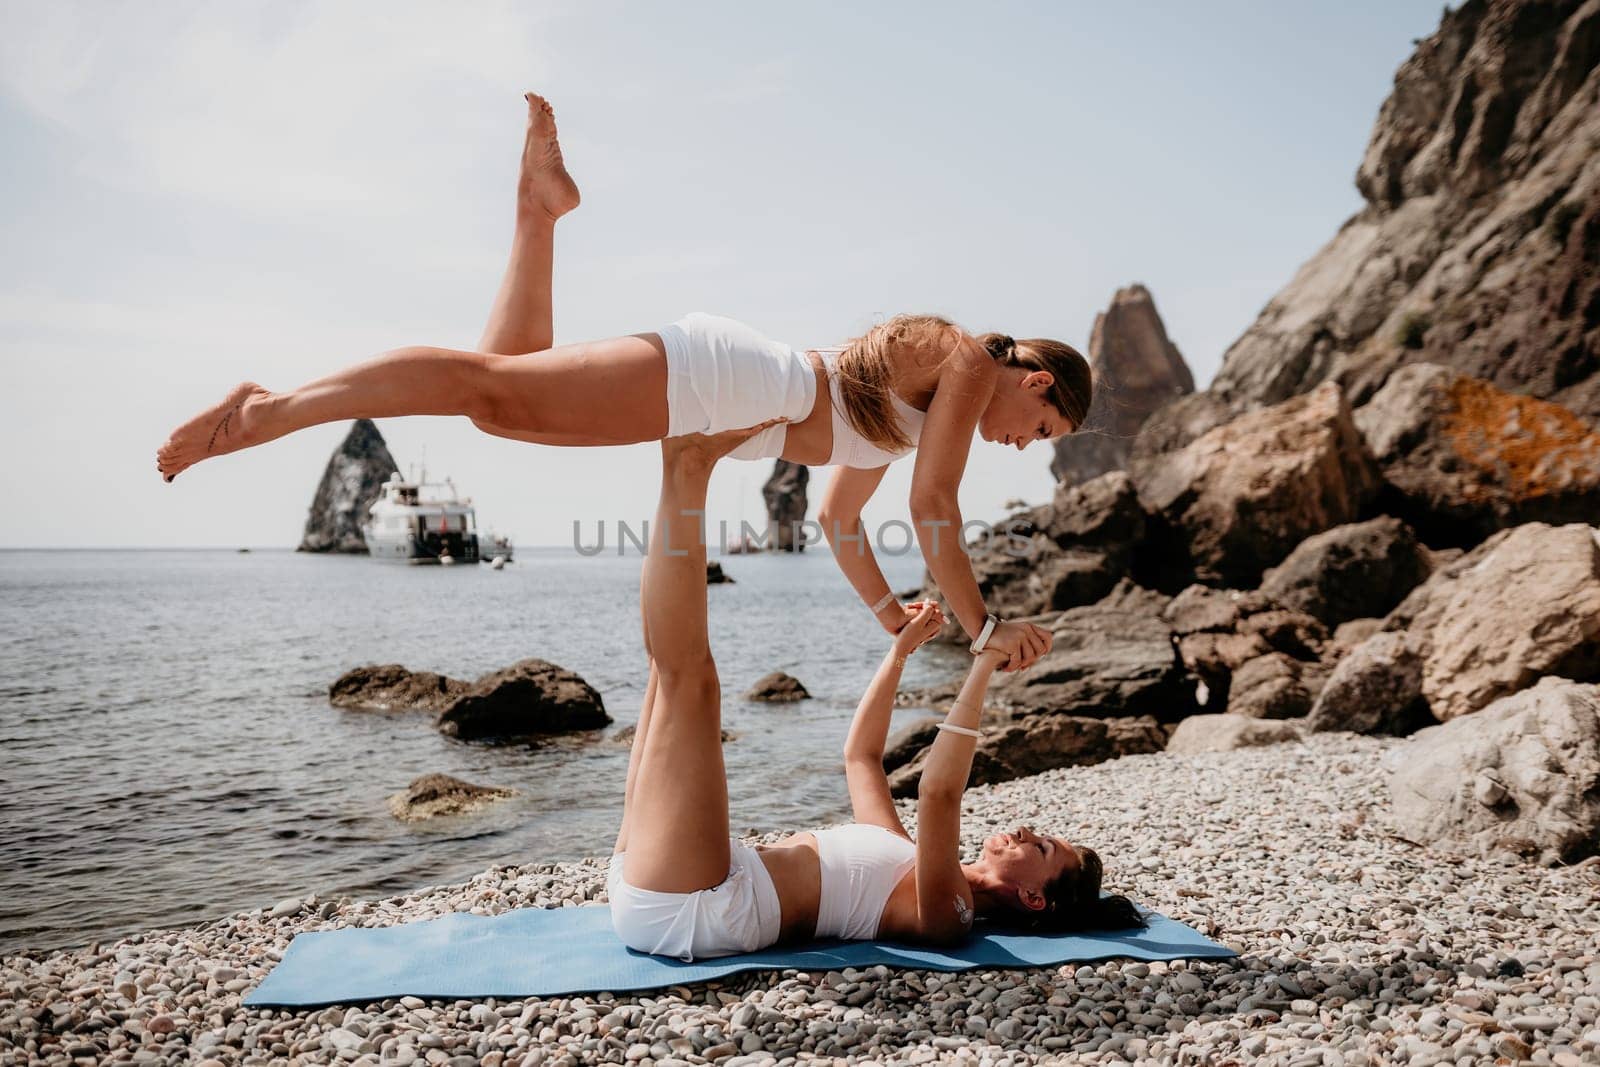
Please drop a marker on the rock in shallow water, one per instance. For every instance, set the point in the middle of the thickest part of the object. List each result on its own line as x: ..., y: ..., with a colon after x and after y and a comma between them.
x: 528, y: 699
x: 439, y: 794
x: 777, y: 688
x: 390, y: 687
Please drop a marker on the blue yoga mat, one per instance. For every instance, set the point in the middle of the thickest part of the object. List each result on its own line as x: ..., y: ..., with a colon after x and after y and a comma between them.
x: 550, y: 951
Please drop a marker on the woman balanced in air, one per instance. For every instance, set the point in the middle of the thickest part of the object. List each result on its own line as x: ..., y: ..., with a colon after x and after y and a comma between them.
x: 912, y: 382
x: 680, y: 886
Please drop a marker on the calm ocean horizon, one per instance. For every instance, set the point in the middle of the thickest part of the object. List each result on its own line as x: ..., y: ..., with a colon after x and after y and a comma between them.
x: 171, y: 755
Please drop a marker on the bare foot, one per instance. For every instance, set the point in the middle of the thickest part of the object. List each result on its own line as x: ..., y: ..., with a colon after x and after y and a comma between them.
x: 226, y: 427
x: 544, y: 182
x: 701, y: 451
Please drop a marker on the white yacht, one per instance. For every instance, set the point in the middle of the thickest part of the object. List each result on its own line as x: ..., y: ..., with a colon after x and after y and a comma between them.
x: 418, y: 521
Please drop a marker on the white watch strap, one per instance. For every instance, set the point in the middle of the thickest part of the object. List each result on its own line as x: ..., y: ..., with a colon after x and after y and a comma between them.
x: 982, y: 639
x: 887, y: 599
x: 959, y: 729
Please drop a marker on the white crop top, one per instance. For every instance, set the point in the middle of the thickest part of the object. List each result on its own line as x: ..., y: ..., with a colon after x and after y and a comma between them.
x: 850, y: 449
x: 861, y: 865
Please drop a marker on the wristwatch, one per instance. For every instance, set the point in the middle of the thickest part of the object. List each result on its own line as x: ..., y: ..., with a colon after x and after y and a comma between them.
x: 978, y: 643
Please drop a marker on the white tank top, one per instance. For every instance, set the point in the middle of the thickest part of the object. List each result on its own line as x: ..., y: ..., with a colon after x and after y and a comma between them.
x: 861, y: 865
x: 850, y: 449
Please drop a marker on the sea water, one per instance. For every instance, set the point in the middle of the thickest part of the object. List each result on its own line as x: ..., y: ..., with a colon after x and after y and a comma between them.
x: 168, y: 753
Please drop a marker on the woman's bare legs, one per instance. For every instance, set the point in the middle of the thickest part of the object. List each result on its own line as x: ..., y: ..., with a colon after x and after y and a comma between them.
x: 442, y: 382
x: 676, y: 818
x: 611, y: 392
x: 521, y: 319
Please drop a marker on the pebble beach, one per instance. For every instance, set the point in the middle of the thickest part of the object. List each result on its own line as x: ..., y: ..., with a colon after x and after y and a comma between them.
x: 1355, y: 946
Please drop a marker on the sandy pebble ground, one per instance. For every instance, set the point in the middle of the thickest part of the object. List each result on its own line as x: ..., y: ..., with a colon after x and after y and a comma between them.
x: 1357, y: 947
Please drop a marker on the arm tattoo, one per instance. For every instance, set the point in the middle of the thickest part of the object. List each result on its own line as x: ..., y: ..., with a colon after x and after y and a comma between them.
x: 963, y: 911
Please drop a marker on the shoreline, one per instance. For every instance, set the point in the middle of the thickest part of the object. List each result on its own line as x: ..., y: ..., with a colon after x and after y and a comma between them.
x: 1356, y: 946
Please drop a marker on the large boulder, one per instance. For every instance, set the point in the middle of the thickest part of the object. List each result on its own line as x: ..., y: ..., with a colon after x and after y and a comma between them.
x: 1064, y: 554
x: 777, y: 688
x: 1521, y: 775
x: 1240, y: 498
x: 1461, y: 458
x: 785, y: 496
x: 1523, y: 605
x: 1377, y: 688
x: 390, y: 687
x: 434, y: 795
x: 1035, y: 744
x: 1137, y: 370
x: 1108, y: 659
x: 527, y: 700
x: 1269, y: 687
x: 1223, y: 733
x: 1220, y: 631
x: 351, y: 482
x: 1359, y: 570
x: 1175, y: 426
x: 1479, y: 242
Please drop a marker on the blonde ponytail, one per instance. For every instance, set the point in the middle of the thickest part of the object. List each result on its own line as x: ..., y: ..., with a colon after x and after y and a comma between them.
x: 865, y: 373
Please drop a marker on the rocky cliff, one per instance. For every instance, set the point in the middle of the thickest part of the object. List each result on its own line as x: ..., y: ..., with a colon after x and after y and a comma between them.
x: 1479, y: 244
x: 785, y: 496
x: 1137, y: 369
x: 355, y: 473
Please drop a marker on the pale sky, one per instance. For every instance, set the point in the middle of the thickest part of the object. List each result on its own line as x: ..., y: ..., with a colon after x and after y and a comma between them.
x: 196, y: 194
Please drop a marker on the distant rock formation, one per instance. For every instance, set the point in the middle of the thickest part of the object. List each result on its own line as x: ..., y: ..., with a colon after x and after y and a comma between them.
x: 1479, y: 245
x: 1137, y: 370
x: 785, y: 494
x: 354, y: 476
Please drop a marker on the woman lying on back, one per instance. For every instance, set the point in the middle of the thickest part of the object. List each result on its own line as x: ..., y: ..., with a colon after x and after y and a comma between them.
x: 680, y: 886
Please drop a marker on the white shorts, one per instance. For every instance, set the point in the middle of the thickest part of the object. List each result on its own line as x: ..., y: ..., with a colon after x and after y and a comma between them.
x: 723, y: 375
x: 739, y: 915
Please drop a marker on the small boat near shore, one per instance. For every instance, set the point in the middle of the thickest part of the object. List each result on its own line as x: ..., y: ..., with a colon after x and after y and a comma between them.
x: 423, y: 522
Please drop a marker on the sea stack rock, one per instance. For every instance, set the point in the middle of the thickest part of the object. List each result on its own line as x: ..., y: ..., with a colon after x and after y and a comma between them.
x: 785, y: 494
x: 1479, y: 244
x: 354, y: 477
x: 1137, y: 370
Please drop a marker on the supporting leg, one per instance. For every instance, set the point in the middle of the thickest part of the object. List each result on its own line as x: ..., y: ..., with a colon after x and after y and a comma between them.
x: 677, y: 817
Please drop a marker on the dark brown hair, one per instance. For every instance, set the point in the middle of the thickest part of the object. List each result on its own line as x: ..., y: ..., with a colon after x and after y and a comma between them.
x: 1073, y: 902
x: 1074, y: 381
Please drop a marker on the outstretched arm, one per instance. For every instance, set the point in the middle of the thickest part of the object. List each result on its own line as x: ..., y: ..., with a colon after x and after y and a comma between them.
x: 966, y: 383
x: 944, y: 900
x: 863, y: 748
x: 840, y: 516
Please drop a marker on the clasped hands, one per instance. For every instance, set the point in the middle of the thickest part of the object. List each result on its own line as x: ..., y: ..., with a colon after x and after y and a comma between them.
x: 1022, y: 642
